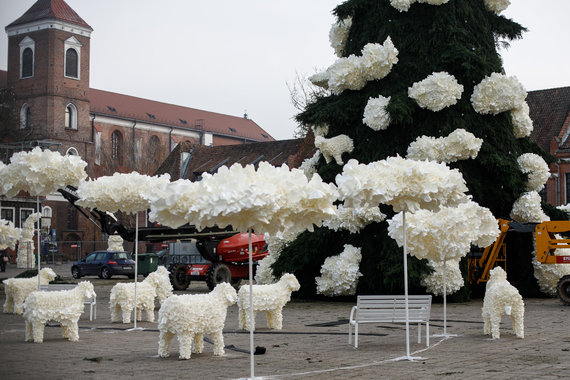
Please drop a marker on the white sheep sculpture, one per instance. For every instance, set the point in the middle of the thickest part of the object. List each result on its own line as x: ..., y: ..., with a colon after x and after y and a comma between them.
x: 334, y: 147
x: 502, y: 298
x: 191, y: 316
x: 17, y: 289
x: 269, y: 298
x: 122, y: 299
x: 63, y: 306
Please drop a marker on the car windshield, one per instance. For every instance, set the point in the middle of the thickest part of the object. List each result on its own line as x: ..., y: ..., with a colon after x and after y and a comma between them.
x: 121, y: 256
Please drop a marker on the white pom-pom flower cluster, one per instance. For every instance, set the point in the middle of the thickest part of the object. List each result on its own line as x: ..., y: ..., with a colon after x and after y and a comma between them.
x: 433, y: 282
x: 428, y: 236
x: 339, y: 274
x: 115, y: 243
x: 437, y: 91
x: 528, y: 209
x: 497, y: 6
x: 352, y: 72
x: 17, y: 289
x: 354, y: 219
x: 565, y: 208
x: 375, y: 114
x: 522, y: 122
x: 129, y: 192
x: 63, y: 306
x: 41, y: 172
x: 275, y: 244
x: 170, y: 206
x: 404, y: 5
x: 24, y: 259
x: 458, y: 145
x: 309, y: 165
x: 537, y: 170
x: 497, y: 93
x: 334, y: 147
x: 268, y: 298
x: 405, y: 184
x: 339, y: 34
x: 548, y: 275
x: 9, y: 234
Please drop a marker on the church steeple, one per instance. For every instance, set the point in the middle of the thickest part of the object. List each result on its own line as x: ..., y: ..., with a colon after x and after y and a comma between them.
x: 50, y: 10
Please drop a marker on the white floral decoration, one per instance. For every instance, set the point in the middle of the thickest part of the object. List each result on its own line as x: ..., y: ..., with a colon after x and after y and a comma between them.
x: 497, y: 6
x: 375, y: 114
x: 565, y: 208
x: 339, y: 34
x: 115, y: 243
x: 275, y: 244
x: 428, y: 235
x: 17, y: 289
x: 339, y: 274
x: 346, y: 74
x: 354, y: 219
x: 334, y: 147
x: 320, y: 130
x: 170, y: 206
x: 25, y: 257
x: 458, y: 145
x: 522, y: 122
x: 320, y: 79
x: 528, y: 209
x: 537, y: 170
x: 9, y: 234
x: 405, y: 184
x: 404, y: 5
x: 437, y: 91
x: 377, y: 60
x: 548, y: 275
x: 497, y: 93
x: 433, y: 282
x: 309, y: 165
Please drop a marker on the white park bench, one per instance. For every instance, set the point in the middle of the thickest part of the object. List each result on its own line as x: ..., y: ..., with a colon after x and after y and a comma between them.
x: 92, y: 302
x: 389, y: 309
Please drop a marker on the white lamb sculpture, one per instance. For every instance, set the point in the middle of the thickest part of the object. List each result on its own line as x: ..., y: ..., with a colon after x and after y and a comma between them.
x: 17, y: 289
x: 191, y: 316
x: 502, y: 298
x: 269, y: 298
x: 63, y: 306
x: 122, y: 300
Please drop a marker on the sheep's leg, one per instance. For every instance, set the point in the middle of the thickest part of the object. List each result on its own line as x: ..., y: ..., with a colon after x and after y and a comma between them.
x: 517, y: 318
x: 18, y: 304
x: 29, y: 331
x: 38, y: 331
x: 486, y: 324
x: 250, y: 323
x: 275, y: 318
x: 126, y: 314
x: 64, y: 330
x: 198, y: 343
x: 139, y: 313
x: 164, y: 341
x: 115, y: 312
x: 185, y: 345
x: 218, y: 340
x: 495, y: 323
x: 73, y: 329
x: 9, y: 304
x: 242, y: 318
x: 150, y: 314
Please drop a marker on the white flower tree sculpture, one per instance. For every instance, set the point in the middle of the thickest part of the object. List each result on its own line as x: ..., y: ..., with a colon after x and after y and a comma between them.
x: 130, y: 193
x: 269, y: 199
x: 9, y: 234
x: 406, y: 185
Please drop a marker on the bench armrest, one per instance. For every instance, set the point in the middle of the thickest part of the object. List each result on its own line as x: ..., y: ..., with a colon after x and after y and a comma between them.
x: 351, y: 318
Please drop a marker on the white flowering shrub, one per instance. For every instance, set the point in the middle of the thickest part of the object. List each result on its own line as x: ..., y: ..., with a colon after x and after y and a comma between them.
x: 339, y: 34
x: 9, y: 234
x: 433, y: 282
x: 170, y: 206
x: 537, y: 170
x: 375, y: 114
x: 25, y: 257
x: 522, y: 122
x: 334, y: 147
x: 458, y: 145
x: 354, y: 219
x: 528, y: 209
x: 17, y: 289
x: 404, y: 5
x: 497, y: 6
x: 339, y: 274
x: 497, y: 93
x: 377, y: 60
x: 346, y: 74
x: 437, y: 91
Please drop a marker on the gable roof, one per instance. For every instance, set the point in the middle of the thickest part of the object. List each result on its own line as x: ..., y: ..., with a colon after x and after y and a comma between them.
x: 130, y: 107
x: 548, y: 110
x: 50, y: 10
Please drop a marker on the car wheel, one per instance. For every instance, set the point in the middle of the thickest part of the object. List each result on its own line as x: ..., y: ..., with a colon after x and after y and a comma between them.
x: 563, y: 289
x: 218, y: 273
x: 178, y: 277
x: 106, y: 273
x: 76, y: 273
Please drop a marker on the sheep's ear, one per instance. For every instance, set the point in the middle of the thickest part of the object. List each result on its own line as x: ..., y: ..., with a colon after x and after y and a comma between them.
x: 230, y: 297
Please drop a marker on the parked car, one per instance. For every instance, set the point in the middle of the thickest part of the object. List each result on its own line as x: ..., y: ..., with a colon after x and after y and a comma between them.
x: 104, y: 264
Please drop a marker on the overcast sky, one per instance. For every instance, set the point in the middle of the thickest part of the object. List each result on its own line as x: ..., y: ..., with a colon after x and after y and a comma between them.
x: 232, y: 57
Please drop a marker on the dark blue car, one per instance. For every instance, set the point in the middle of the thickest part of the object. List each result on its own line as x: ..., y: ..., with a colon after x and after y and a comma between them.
x: 104, y: 264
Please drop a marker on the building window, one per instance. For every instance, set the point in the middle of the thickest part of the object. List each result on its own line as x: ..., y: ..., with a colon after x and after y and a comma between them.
x: 7, y: 213
x: 71, y: 218
x: 71, y: 116
x: 25, y: 117
x: 46, y: 219
x: 24, y: 214
x: 116, y: 144
x: 71, y: 62
x: 27, y: 50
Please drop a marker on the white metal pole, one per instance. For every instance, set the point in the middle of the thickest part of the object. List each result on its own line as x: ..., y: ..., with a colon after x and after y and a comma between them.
x: 39, y: 240
x: 444, y: 298
x: 252, y: 360
x: 136, y: 261
x: 406, y: 287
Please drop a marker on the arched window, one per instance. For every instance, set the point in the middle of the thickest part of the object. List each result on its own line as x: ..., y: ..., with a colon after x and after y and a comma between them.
x: 71, y: 63
x: 71, y: 116
x: 116, y: 145
x: 71, y: 217
x: 72, y: 152
x: 27, y: 63
x: 154, y: 144
x: 25, y: 117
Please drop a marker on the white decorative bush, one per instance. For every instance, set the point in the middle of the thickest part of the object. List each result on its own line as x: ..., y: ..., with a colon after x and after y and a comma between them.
x: 521, y: 121
x: 458, y: 145
x: 9, y: 234
x: 339, y: 274
x: 377, y: 60
x: 354, y: 219
x: 375, y: 114
x: 565, y: 208
x: 537, y: 170
x: 497, y: 6
x: 115, y: 243
x: 17, y: 289
x: 25, y: 257
x: 528, y: 209
x: 434, y: 281
x: 346, y: 74
x: 122, y: 299
x: 339, y: 34
x: 268, y: 298
x: 63, y: 306
x: 404, y: 5
x: 191, y: 316
x: 309, y: 165
x: 497, y: 93
x: 502, y: 298
x: 334, y: 147
x: 437, y: 91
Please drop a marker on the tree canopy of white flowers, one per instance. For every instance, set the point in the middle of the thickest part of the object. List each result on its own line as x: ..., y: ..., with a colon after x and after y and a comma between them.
x: 497, y: 93
x: 169, y: 207
x: 497, y: 6
x: 437, y: 91
x: 434, y: 282
x: 458, y: 145
x: 41, y: 172
x: 339, y: 274
x: 404, y: 5
x: 354, y: 219
x: 375, y: 114
x: 528, y: 209
x: 537, y: 170
x: 9, y: 234
x: 338, y: 35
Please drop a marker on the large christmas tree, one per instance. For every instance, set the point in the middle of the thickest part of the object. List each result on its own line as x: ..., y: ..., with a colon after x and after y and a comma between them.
x: 420, y: 79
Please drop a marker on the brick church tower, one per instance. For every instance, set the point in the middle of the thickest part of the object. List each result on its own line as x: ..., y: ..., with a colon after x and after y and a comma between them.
x: 48, y: 68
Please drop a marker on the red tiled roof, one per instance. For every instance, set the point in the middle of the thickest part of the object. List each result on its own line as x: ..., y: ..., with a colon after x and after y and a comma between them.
x: 548, y: 111
x: 50, y: 10
x: 129, y: 107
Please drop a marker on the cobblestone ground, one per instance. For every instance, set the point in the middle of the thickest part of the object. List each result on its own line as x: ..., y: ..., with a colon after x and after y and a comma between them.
x: 312, y: 345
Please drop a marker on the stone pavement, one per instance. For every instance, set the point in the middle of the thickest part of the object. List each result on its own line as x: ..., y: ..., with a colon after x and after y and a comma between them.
x: 312, y: 345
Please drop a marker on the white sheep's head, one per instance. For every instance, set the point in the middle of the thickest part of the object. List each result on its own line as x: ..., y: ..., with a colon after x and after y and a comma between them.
x: 290, y: 281
x: 48, y: 274
x: 161, y: 282
x: 227, y: 291
x: 87, y: 289
x: 498, y: 274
